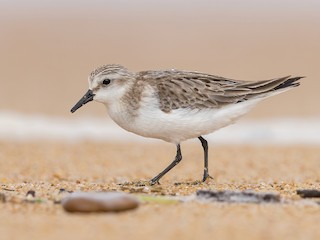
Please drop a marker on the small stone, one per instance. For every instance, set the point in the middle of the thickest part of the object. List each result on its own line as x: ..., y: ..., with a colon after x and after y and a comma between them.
x: 31, y: 193
x: 308, y: 193
x: 30, y: 196
x: 99, y: 202
x: 238, y: 196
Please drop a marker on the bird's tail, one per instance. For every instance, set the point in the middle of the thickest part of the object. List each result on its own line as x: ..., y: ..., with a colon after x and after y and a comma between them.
x: 266, y: 88
x: 289, y: 82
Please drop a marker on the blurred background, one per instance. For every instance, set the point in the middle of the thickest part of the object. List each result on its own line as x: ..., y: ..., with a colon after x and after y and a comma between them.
x: 48, y: 48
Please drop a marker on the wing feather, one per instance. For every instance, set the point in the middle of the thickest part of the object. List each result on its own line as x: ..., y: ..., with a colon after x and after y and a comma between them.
x: 181, y: 89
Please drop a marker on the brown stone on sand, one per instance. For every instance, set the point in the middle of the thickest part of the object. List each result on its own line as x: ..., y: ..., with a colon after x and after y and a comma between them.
x: 308, y: 193
x: 99, y: 202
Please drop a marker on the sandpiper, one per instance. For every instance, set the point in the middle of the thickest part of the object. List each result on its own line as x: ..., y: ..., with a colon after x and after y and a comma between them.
x: 175, y: 105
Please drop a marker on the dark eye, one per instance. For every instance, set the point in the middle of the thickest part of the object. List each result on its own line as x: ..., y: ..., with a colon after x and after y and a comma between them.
x: 106, y: 82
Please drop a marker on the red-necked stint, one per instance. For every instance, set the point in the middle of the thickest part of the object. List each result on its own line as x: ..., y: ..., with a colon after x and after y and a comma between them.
x: 175, y: 105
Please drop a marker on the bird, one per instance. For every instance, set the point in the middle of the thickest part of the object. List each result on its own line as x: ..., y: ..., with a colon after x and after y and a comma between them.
x: 175, y: 105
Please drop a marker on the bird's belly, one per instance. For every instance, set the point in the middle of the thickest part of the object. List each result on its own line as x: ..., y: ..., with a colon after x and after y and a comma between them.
x: 182, y: 124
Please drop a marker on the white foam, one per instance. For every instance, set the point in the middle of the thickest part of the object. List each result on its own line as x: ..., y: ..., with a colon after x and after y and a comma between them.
x: 15, y: 126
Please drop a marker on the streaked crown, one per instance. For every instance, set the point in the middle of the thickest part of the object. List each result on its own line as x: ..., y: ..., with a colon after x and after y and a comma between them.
x: 109, y: 69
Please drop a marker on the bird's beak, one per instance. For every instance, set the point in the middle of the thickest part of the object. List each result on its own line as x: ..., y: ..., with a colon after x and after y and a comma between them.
x: 85, y: 99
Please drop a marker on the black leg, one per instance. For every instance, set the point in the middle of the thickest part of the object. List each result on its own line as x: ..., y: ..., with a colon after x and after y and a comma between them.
x: 173, y: 164
x: 205, y: 149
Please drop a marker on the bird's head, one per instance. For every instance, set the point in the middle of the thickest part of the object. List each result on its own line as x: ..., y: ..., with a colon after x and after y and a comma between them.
x: 106, y: 83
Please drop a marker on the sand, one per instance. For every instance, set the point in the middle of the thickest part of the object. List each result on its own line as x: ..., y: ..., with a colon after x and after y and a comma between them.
x: 47, y: 51
x: 46, y: 167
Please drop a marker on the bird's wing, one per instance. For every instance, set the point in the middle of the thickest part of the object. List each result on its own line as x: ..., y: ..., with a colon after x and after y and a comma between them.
x: 181, y: 89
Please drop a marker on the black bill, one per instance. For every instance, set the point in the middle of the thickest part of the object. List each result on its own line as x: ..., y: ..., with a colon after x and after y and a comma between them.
x: 85, y: 99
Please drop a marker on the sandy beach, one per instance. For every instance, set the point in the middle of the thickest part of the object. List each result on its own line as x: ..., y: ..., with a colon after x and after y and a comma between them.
x: 48, y: 48
x: 47, y: 167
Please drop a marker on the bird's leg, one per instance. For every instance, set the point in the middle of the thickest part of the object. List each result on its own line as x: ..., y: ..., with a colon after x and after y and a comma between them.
x: 205, y: 149
x: 173, y: 164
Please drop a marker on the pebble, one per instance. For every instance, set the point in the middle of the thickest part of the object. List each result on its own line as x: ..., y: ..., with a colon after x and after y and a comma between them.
x: 238, y: 196
x: 31, y: 193
x: 308, y: 193
x: 87, y: 202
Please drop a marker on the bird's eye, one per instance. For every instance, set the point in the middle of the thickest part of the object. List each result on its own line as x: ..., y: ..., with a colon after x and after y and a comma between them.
x: 106, y: 82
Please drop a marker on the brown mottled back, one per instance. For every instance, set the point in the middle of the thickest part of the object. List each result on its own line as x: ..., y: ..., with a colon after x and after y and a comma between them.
x: 182, y: 89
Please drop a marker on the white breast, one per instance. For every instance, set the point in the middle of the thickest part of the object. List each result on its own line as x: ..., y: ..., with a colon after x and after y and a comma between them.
x: 178, y: 125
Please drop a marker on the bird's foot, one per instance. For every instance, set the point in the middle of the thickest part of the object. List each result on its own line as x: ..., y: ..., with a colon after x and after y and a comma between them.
x: 154, y: 181
x: 206, y: 176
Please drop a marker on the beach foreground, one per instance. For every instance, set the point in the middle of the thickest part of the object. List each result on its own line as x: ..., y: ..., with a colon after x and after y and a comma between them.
x: 48, y: 167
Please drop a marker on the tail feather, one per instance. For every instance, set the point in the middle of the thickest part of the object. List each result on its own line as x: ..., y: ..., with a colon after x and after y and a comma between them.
x: 290, y: 82
x: 272, y: 87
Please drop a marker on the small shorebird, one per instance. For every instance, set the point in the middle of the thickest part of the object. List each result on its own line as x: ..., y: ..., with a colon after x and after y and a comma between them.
x: 175, y: 105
